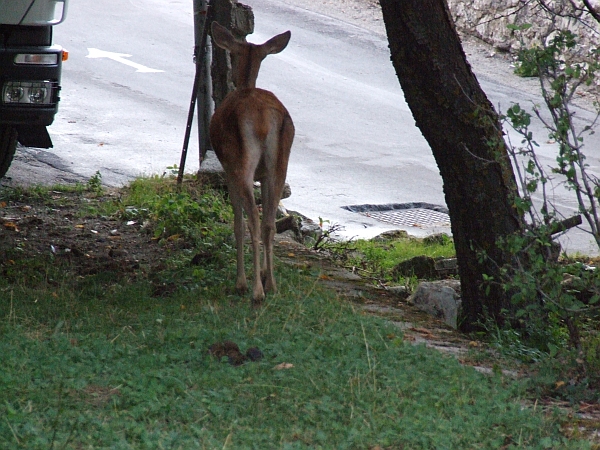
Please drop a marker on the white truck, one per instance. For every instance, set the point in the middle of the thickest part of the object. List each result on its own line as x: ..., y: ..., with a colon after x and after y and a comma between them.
x: 30, y: 71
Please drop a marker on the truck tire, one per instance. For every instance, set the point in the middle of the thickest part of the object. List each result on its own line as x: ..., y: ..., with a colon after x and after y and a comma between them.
x: 8, y: 146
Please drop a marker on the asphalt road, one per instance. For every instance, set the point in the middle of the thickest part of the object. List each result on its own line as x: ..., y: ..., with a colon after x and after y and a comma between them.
x: 356, y: 142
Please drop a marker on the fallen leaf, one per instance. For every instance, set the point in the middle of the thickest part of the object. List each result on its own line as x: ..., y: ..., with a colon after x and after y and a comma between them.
x: 11, y: 226
x: 80, y: 226
x: 291, y: 255
x: 473, y: 344
x: 325, y: 277
x: 422, y: 331
x: 559, y: 384
x: 283, y: 366
x: 2, y: 204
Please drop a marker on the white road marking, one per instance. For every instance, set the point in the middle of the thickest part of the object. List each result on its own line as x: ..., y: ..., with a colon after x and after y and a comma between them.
x: 120, y: 57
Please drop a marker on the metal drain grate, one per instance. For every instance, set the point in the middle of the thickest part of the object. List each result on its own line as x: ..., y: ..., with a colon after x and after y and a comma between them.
x: 405, y: 214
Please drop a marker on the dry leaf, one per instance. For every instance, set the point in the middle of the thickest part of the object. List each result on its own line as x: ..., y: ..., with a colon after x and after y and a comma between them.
x: 422, y: 331
x: 283, y: 366
x: 11, y: 226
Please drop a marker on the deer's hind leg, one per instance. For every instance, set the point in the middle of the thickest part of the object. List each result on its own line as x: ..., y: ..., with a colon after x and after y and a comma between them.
x: 244, y: 201
x: 270, y: 201
x: 239, y: 230
x: 276, y: 161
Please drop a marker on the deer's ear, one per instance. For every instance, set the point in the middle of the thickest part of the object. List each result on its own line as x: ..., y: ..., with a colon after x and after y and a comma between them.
x: 277, y: 44
x: 223, y: 38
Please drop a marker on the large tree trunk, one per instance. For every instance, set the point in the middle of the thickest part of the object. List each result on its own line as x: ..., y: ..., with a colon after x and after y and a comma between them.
x: 464, y: 133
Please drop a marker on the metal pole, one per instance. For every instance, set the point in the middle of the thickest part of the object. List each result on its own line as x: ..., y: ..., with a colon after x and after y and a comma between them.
x: 204, y: 102
x: 198, y: 91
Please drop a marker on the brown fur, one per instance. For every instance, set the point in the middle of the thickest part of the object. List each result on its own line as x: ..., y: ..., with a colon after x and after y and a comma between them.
x: 252, y: 133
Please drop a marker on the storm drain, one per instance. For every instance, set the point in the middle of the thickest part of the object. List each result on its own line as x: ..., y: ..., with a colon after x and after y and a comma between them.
x: 405, y: 214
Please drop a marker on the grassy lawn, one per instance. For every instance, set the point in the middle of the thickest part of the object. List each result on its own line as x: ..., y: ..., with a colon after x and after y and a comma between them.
x: 104, y: 359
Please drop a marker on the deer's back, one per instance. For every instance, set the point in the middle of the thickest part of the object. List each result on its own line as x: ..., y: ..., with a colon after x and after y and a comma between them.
x: 251, y: 110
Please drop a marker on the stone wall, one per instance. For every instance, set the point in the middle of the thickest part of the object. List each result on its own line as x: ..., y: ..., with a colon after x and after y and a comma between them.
x: 488, y: 20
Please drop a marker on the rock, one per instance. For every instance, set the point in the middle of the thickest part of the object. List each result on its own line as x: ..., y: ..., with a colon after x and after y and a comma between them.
x: 400, y: 291
x: 438, y: 238
x: 419, y: 266
x: 310, y: 232
x: 441, y: 299
x: 425, y: 267
x: 391, y: 235
x: 446, y: 267
x: 289, y: 222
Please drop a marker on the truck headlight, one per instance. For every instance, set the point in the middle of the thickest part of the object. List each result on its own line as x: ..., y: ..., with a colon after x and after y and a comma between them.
x: 30, y: 92
x: 38, y: 59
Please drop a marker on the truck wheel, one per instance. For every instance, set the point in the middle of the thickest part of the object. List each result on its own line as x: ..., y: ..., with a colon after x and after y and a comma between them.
x: 8, y: 146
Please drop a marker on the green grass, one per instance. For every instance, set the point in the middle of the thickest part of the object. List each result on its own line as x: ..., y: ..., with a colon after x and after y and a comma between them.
x: 388, y: 254
x: 117, y: 368
x: 98, y: 362
x: 377, y: 258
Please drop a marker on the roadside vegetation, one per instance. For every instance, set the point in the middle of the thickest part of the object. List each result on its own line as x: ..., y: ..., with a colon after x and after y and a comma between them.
x: 105, y: 332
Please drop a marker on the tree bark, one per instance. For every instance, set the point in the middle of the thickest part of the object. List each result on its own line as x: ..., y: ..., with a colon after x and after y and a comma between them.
x: 239, y: 19
x: 464, y: 133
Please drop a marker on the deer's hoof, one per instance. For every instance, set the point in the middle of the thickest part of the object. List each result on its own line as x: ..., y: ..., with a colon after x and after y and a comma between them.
x: 258, y: 298
x: 268, y: 282
x: 241, y: 287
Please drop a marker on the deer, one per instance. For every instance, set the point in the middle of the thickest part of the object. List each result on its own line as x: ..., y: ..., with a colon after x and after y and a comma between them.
x: 251, y: 133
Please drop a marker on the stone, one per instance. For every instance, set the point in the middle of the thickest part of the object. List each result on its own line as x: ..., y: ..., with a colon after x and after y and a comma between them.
x: 446, y: 267
x: 438, y: 238
x: 289, y: 222
x: 419, y: 266
x: 441, y: 299
x: 400, y: 291
x: 310, y: 231
x: 391, y: 235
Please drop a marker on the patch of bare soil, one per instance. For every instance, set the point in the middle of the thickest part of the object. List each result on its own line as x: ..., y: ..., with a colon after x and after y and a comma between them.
x: 38, y: 227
